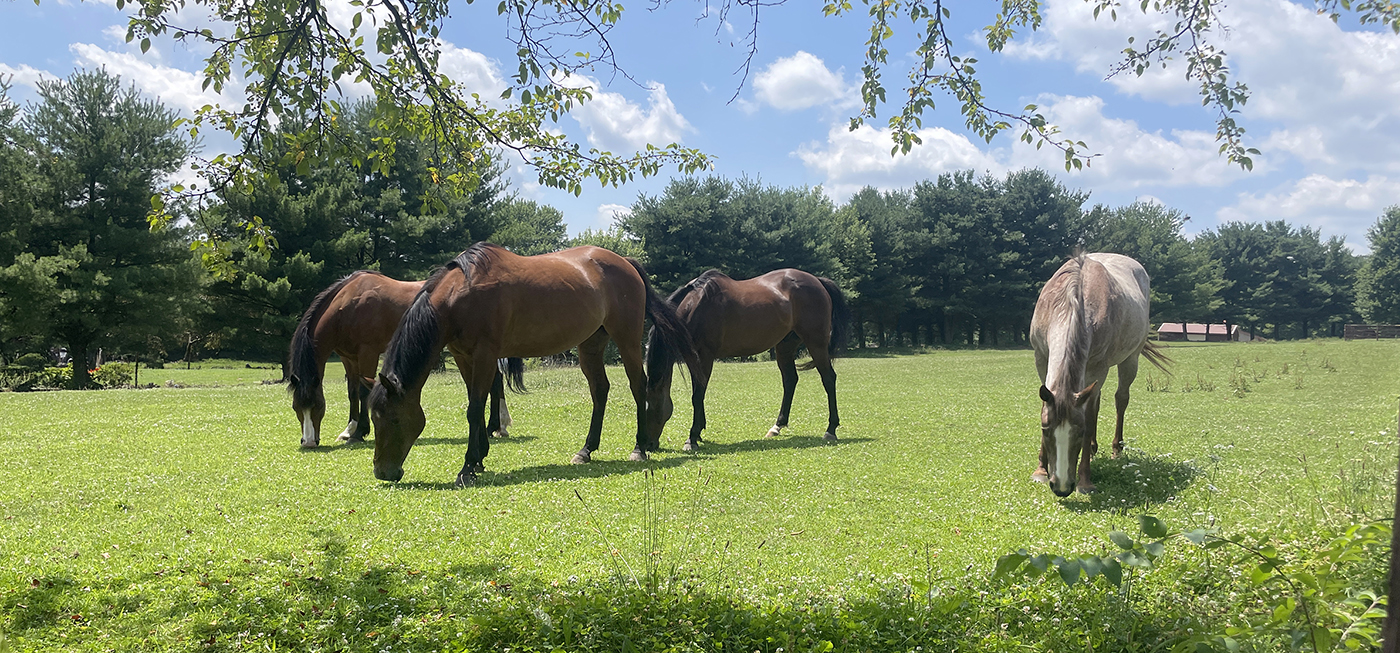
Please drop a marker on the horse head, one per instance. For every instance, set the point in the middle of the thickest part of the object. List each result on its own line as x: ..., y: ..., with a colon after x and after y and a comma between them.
x: 659, y: 406
x: 310, y: 407
x: 398, y: 420
x: 1062, y: 434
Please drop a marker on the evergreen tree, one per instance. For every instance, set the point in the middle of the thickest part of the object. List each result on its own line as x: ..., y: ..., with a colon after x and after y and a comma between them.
x: 1378, y: 294
x: 102, y: 152
x: 1186, y: 282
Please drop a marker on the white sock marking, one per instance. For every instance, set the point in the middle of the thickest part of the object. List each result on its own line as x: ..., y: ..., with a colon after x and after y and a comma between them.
x: 349, y: 431
x: 308, y: 431
x: 1064, y: 473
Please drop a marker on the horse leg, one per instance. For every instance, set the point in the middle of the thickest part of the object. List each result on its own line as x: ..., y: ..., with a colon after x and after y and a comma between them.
x: 1041, y: 474
x: 352, y: 386
x: 823, y: 362
x: 478, y: 382
x: 1091, y: 441
x: 590, y: 361
x: 785, y: 353
x: 498, y: 389
x: 631, y: 352
x: 1127, y: 371
x: 700, y: 378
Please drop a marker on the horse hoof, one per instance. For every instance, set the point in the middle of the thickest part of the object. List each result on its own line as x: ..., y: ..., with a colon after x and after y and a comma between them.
x: 637, y: 456
x: 582, y: 457
x: 466, y: 479
x: 310, y: 445
x: 774, y: 432
x: 829, y: 436
x: 1086, y: 488
x: 502, y: 433
x: 1117, y: 453
x: 478, y: 469
x: 354, y: 439
x: 1040, y: 477
x: 690, y: 446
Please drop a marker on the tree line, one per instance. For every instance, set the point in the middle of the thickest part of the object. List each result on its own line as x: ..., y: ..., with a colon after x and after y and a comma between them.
x: 953, y: 260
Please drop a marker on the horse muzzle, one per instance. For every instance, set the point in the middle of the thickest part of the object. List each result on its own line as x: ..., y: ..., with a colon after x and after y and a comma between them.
x: 390, y: 475
x: 1061, y: 490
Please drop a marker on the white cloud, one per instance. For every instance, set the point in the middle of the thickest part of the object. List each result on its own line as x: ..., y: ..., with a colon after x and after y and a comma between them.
x: 608, y: 214
x: 1336, y: 206
x: 1132, y: 157
x: 25, y: 75
x: 177, y: 88
x: 474, y: 71
x: 615, y: 124
x: 851, y: 160
x: 798, y: 82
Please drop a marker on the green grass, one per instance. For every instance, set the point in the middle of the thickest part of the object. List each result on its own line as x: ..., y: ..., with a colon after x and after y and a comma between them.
x: 188, y: 518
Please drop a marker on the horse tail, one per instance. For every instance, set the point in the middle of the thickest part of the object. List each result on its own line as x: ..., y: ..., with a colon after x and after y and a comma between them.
x: 840, y: 321
x: 304, y: 372
x: 669, y: 340
x: 515, y: 374
x: 1154, y: 354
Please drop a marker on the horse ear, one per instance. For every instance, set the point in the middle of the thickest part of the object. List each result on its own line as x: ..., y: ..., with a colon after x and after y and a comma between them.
x: 1047, y: 396
x: 391, y: 383
x: 1083, y: 395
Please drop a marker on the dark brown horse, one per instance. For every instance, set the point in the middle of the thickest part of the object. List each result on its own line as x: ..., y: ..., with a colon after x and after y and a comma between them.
x: 489, y: 303
x: 353, y: 318
x: 780, y: 310
x: 1090, y: 316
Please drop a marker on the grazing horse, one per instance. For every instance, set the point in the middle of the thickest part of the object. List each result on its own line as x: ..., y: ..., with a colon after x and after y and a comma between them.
x: 1091, y: 315
x: 488, y: 303
x: 726, y: 318
x: 354, y: 317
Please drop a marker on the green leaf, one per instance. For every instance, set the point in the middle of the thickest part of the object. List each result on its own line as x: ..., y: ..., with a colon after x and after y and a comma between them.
x: 145, y: 44
x: 1121, y: 539
x: 1154, y: 549
x: 1197, y: 536
x: 1113, y: 571
x: 1069, y: 572
x: 1009, y: 563
x: 1152, y: 527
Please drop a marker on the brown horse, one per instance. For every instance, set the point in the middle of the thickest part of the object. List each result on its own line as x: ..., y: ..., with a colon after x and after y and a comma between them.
x: 488, y: 303
x: 726, y: 318
x: 1091, y: 315
x: 354, y: 318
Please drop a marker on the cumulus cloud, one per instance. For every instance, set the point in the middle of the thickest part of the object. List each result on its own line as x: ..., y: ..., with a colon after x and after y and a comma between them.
x: 177, y: 88
x: 25, y: 75
x: 799, y: 82
x: 851, y: 160
x: 616, y: 124
x: 1336, y: 206
x: 1132, y: 158
x: 608, y: 214
x: 476, y: 72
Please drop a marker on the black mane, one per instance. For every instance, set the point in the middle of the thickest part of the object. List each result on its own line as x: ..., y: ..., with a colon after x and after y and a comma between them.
x: 414, y: 348
x: 698, y: 284
x: 303, y: 374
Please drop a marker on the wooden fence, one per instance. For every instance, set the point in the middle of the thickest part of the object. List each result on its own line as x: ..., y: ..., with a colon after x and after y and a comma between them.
x: 1370, y: 331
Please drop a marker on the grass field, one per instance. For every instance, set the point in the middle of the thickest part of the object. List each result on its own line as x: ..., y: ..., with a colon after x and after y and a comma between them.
x: 189, y: 519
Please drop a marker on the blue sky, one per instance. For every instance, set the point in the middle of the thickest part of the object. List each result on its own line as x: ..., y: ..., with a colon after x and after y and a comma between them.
x: 1325, y: 108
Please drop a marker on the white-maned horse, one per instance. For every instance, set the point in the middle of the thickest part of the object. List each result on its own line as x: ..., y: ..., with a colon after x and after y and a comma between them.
x: 1091, y: 315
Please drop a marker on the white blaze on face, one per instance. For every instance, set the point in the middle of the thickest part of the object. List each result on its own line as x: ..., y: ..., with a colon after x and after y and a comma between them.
x: 308, y: 431
x: 1064, y: 473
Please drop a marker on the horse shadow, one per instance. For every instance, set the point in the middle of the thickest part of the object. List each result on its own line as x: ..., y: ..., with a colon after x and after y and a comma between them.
x: 1137, y: 480
x: 711, y: 449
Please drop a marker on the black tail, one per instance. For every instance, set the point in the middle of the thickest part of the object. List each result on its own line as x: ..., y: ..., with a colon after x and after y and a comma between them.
x: 669, y: 340
x: 840, y: 321
x: 303, y: 372
x: 515, y: 375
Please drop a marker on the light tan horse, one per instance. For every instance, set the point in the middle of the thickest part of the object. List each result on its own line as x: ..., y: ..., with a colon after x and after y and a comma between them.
x: 489, y: 303
x: 353, y: 318
x: 781, y: 310
x: 1091, y: 315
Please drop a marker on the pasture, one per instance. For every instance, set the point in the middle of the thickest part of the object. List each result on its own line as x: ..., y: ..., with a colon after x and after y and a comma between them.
x: 189, y: 519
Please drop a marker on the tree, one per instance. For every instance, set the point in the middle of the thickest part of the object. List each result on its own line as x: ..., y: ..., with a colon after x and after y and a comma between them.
x: 1186, y: 282
x: 528, y: 227
x: 329, y: 220
x: 1378, y: 292
x: 613, y: 238
x: 103, y: 151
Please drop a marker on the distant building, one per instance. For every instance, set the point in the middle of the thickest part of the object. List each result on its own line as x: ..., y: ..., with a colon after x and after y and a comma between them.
x: 1194, y: 332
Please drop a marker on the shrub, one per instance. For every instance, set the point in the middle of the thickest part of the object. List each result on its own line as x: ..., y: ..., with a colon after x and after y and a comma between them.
x: 113, y: 375
x: 32, y: 361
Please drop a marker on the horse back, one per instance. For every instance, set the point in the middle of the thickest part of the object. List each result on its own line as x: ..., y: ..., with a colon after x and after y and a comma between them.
x: 742, y: 318
x: 1117, y: 305
x: 365, y: 312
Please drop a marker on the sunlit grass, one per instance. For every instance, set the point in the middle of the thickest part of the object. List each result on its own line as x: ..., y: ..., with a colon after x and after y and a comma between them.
x: 153, y: 519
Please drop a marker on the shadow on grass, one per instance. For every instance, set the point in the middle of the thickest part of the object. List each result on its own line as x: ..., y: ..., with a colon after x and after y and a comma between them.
x: 708, y: 448
x: 1137, y: 480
